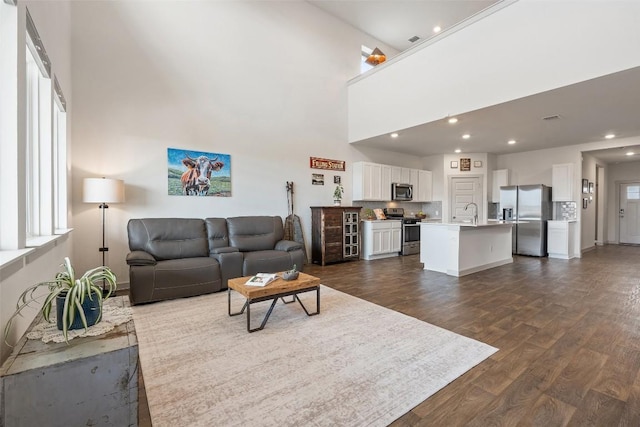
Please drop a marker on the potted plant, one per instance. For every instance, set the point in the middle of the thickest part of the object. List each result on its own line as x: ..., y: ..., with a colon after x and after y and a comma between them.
x: 337, y: 194
x: 78, y: 299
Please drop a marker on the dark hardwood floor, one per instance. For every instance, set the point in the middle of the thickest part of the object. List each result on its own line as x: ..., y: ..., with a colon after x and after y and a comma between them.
x: 568, y: 334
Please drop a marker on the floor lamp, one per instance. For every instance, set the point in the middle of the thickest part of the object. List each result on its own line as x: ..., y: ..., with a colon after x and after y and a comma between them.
x: 103, y: 191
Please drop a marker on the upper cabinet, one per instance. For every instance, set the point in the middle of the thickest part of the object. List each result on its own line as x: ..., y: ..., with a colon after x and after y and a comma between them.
x: 425, y: 185
x: 500, y: 179
x: 562, y: 183
x: 372, y: 182
x: 367, y: 181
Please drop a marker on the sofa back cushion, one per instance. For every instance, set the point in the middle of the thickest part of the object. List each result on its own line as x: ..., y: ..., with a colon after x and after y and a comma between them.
x: 217, y: 233
x: 254, y: 233
x: 168, y: 238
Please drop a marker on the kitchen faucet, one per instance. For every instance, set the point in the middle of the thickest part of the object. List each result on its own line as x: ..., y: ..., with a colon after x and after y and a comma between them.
x: 474, y: 221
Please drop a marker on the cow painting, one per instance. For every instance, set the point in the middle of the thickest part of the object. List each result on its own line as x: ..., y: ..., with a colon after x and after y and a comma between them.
x: 200, y: 174
x: 196, y: 181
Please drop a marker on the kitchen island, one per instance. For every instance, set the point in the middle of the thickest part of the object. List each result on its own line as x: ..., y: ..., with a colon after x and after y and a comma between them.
x: 461, y: 249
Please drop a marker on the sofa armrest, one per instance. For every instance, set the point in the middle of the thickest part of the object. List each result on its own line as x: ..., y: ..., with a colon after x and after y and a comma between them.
x: 287, y: 245
x: 140, y: 258
x: 223, y: 250
x: 230, y: 265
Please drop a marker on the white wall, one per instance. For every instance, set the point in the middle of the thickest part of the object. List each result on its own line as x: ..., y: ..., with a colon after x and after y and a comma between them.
x: 52, y: 20
x: 458, y: 73
x: 617, y: 174
x: 262, y: 81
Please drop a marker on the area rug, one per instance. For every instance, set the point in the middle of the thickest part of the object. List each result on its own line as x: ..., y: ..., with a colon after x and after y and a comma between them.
x: 355, y: 364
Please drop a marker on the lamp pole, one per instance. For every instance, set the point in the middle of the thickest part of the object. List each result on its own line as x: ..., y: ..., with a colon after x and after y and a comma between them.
x: 104, y: 247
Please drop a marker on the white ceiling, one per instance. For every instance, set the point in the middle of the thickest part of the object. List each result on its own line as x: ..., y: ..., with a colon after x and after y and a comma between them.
x: 587, y: 110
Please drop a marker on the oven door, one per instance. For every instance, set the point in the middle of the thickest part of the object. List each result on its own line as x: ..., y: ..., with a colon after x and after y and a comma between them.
x: 411, y: 233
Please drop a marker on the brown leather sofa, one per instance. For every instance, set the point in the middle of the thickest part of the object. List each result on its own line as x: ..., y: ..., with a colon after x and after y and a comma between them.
x: 182, y: 257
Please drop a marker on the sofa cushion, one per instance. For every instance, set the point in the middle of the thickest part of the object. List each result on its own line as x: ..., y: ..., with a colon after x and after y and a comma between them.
x: 175, y: 278
x: 254, y: 233
x: 169, y: 238
x: 266, y: 262
x: 217, y: 234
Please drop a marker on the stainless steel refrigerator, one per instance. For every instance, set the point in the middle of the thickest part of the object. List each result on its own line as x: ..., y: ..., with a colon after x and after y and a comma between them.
x: 529, y: 207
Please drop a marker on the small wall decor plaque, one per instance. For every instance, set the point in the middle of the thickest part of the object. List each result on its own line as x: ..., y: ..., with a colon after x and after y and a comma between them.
x: 337, y: 179
x: 454, y: 164
x: 585, y: 186
x: 591, y: 187
x: 317, y: 179
x: 477, y: 163
x: 465, y: 165
x: 320, y: 163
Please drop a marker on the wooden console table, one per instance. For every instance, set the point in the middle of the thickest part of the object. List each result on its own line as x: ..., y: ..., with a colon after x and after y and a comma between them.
x: 91, y: 381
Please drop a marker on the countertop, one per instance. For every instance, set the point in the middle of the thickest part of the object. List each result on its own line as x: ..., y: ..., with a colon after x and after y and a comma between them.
x: 468, y: 224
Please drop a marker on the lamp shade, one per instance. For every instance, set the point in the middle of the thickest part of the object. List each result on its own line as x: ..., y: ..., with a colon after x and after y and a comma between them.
x: 103, y: 190
x: 376, y: 57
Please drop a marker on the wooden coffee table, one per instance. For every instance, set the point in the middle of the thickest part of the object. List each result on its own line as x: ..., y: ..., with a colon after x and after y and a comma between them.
x: 278, y: 289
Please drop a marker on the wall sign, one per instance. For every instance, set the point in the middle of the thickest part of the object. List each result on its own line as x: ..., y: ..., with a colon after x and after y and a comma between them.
x: 320, y: 163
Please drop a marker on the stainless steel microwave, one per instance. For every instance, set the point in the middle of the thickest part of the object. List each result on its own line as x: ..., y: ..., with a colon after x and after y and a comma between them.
x: 401, y: 192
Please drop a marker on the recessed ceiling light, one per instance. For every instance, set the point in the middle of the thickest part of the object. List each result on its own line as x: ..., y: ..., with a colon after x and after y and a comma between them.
x: 437, y: 29
x: 466, y: 136
x: 610, y: 136
x: 394, y: 135
x: 457, y: 150
x: 630, y: 153
x: 453, y: 120
x: 511, y: 141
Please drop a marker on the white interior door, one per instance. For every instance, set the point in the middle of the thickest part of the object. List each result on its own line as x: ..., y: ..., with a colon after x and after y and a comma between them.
x: 462, y: 191
x: 630, y: 213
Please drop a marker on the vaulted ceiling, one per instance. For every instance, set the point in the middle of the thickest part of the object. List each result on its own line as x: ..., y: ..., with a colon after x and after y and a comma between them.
x: 575, y: 114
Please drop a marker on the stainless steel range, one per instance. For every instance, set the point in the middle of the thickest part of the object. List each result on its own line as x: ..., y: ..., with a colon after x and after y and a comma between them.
x: 410, y: 230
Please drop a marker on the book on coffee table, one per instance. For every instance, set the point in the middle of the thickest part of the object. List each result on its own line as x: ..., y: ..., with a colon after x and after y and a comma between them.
x: 261, y: 279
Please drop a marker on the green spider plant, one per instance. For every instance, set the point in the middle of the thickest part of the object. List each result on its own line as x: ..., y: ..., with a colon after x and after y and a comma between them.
x: 73, y: 289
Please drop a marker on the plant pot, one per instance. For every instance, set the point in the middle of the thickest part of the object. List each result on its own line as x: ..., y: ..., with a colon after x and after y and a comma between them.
x: 336, y: 203
x: 91, y: 309
x: 290, y: 275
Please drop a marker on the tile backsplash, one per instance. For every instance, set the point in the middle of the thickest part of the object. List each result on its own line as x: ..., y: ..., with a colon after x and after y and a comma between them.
x: 565, y: 211
x: 432, y: 209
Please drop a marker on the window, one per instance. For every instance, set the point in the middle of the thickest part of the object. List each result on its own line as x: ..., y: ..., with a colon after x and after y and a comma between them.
x: 33, y: 142
x: 364, y: 54
x: 633, y: 192
x: 38, y: 144
x: 59, y: 160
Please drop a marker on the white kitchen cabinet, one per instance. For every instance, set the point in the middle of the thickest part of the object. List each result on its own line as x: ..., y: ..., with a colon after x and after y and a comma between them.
x: 367, y: 181
x: 500, y: 179
x: 562, y: 183
x: 385, y: 182
x: 560, y: 239
x: 396, y: 174
x: 381, y: 238
x: 423, y: 193
x: 405, y: 176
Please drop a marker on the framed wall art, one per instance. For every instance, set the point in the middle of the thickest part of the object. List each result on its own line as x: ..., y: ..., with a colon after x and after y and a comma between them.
x: 317, y: 179
x: 198, y: 173
x: 585, y: 186
x: 465, y: 165
x: 454, y: 164
x: 477, y: 163
x: 591, y: 187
